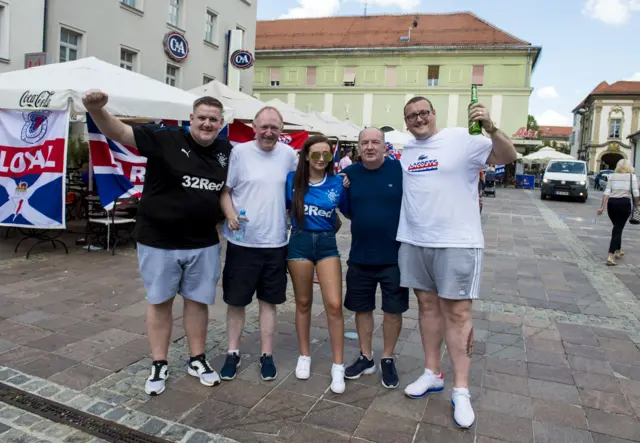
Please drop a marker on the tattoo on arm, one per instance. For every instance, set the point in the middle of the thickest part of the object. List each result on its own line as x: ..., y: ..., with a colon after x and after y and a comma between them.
x: 470, y: 341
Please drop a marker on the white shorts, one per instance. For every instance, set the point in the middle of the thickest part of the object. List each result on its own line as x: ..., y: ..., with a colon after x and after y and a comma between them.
x: 453, y: 273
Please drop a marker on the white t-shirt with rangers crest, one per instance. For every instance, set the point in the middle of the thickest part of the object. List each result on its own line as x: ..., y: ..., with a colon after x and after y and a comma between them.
x: 440, y: 190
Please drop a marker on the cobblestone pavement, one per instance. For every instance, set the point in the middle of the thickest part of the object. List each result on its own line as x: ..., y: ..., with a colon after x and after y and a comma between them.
x: 556, y: 357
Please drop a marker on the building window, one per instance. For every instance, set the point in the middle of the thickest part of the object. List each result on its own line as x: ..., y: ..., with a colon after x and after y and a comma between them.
x: 4, y: 31
x: 172, y: 75
x: 127, y: 59
x: 349, y: 78
x: 174, y: 12
x: 69, y: 45
x: 311, y: 75
x: 433, y: 76
x: 211, y: 27
x: 390, y: 76
x: 239, y: 28
x: 275, y: 76
x: 206, y: 79
x: 131, y: 3
x: 614, y: 127
x: 477, y: 75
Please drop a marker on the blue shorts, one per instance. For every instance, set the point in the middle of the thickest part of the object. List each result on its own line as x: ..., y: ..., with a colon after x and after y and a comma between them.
x: 192, y: 273
x: 313, y: 246
x: 362, y: 284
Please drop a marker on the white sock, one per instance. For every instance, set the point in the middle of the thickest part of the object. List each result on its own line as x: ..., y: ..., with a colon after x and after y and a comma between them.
x: 234, y: 351
x: 335, y: 365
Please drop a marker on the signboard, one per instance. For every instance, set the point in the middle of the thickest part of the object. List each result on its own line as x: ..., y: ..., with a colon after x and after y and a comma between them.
x: 34, y: 59
x: 33, y: 152
x: 176, y: 46
x: 526, y: 133
x: 242, y: 59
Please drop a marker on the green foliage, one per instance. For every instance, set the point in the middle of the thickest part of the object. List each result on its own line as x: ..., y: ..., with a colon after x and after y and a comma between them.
x: 77, y: 152
x: 532, y: 123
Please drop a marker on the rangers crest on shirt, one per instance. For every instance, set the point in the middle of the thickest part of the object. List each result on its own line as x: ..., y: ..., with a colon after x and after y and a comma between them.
x: 222, y: 159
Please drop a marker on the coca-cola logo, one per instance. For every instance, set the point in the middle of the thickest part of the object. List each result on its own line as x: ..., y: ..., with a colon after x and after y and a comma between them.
x: 36, y: 99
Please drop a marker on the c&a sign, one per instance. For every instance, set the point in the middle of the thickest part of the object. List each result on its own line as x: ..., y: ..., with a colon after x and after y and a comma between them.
x: 176, y: 46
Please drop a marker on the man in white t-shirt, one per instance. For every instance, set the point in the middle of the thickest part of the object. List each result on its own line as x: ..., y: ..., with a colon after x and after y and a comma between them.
x: 256, y: 249
x: 441, y: 239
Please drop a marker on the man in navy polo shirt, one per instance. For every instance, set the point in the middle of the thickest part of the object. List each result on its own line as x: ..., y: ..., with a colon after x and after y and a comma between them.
x: 374, y: 200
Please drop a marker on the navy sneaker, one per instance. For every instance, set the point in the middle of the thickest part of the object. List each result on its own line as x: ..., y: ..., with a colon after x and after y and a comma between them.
x: 268, y: 369
x: 230, y: 367
x: 362, y: 366
x: 390, y: 378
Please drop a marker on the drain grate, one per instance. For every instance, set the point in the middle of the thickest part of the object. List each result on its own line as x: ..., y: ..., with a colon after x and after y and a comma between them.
x: 59, y: 413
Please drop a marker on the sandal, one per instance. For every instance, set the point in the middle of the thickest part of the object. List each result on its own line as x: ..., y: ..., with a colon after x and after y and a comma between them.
x: 611, y: 262
x: 619, y: 254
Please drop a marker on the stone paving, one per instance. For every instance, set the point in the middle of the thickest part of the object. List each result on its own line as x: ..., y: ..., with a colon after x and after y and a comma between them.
x: 556, y: 357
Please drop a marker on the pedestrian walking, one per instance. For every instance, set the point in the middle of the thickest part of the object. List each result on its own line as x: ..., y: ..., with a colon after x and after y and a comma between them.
x: 178, y: 245
x: 374, y: 200
x: 622, y: 187
x: 313, y: 194
x: 442, y: 246
x: 253, y: 201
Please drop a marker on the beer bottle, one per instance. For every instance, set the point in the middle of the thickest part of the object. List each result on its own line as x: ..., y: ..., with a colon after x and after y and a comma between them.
x: 475, y: 127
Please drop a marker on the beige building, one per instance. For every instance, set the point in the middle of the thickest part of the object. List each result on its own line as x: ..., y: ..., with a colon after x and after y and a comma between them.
x: 132, y: 34
x: 603, y: 123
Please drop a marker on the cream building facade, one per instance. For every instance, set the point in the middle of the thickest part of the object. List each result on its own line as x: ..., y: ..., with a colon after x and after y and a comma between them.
x: 131, y: 34
x: 603, y: 123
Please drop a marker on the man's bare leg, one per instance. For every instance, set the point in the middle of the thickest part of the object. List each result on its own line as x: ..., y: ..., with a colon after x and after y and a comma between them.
x: 365, y: 326
x: 267, y: 313
x: 195, y: 318
x: 431, y: 328
x: 235, y: 326
x: 459, y: 338
x: 391, y: 328
x: 159, y: 325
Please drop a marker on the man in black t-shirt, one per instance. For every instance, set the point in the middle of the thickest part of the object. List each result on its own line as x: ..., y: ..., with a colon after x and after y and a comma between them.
x: 178, y: 244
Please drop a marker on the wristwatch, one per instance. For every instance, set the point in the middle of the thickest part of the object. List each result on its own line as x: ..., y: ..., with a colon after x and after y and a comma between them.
x: 493, y: 129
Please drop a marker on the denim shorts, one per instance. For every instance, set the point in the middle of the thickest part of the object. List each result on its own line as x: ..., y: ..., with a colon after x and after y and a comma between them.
x: 314, y: 246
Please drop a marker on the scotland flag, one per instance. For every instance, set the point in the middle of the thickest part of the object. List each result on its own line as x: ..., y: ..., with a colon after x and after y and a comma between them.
x: 33, y: 152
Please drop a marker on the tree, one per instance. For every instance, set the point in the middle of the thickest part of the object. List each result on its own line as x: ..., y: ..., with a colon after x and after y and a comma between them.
x: 532, y: 123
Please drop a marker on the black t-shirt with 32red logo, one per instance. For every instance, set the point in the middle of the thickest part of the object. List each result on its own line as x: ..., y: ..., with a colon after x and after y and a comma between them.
x: 180, y: 203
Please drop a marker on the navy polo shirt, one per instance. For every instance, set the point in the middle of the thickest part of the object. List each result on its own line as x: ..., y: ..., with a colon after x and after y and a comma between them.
x: 374, y: 201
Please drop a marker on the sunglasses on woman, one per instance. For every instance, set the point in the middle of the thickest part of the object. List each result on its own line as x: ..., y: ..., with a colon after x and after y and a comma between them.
x: 326, y: 156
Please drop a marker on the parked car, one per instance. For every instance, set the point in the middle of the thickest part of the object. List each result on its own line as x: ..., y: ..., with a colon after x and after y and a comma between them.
x: 601, y: 179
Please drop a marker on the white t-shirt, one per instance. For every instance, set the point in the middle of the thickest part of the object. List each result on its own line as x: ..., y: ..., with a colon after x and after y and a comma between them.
x: 257, y: 181
x: 440, y: 190
x: 346, y: 161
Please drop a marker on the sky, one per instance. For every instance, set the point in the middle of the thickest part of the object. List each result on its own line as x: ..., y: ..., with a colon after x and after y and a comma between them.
x: 583, y: 41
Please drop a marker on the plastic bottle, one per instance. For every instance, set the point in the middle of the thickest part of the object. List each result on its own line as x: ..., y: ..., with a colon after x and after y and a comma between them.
x: 242, y: 220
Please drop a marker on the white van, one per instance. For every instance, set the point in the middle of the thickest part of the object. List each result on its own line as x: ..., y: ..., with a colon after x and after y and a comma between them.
x: 567, y: 178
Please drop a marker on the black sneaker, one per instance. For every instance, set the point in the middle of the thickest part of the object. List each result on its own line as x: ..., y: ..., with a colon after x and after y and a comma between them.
x: 230, y: 367
x: 362, y: 366
x: 268, y: 369
x: 389, y: 374
x: 159, y: 374
x: 200, y: 367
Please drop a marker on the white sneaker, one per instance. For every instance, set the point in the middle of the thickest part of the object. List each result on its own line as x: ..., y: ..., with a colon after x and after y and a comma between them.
x: 425, y: 384
x: 200, y: 367
x: 337, y: 379
x: 155, y: 382
x: 303, y: 368
x: 463, y: 413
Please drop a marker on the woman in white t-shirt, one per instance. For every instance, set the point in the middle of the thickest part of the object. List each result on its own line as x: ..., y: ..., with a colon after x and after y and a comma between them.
x: 622, y: 186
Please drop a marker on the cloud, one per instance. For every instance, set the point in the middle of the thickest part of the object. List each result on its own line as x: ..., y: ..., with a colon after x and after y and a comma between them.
x: 313, y: 8
x: 405, y: 5
x: 634, y: 78
x: 547, y: 92
x: 611, y: 12
x: 553, y: 118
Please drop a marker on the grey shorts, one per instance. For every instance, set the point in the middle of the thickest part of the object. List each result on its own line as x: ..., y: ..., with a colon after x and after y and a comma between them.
x: 453, y: 273
x: 192, y: 273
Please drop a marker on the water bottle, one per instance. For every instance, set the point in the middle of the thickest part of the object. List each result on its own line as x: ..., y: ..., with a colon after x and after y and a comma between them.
x: 242, y: 220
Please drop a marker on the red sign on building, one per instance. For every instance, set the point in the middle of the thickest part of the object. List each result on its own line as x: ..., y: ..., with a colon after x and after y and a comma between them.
x: 526, y: 133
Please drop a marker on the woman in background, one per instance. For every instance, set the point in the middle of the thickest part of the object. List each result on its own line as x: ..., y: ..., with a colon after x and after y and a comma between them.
x: 313, y: 194
x: 621, y: 188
